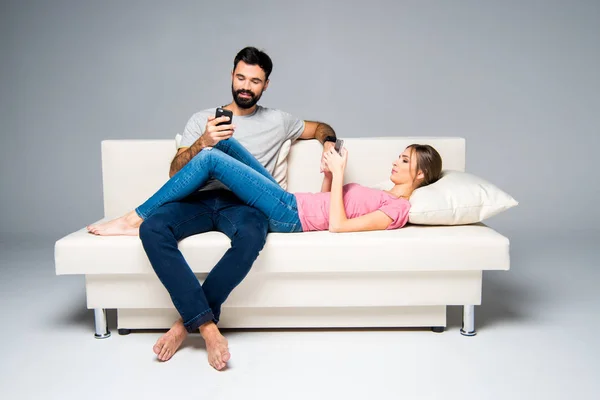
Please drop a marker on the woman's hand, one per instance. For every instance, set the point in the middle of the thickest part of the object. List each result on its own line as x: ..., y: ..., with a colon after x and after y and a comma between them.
x: 326, y: 147
x: 335, y: 162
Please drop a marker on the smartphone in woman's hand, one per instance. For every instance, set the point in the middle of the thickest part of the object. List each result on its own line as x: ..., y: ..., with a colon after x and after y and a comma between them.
x: 339, y: 144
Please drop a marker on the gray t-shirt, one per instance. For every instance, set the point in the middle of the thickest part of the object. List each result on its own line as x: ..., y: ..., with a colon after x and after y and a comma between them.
x: 262, y: 133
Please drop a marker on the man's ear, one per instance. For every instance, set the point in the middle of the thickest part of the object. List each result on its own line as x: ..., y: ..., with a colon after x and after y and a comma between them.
x: 266, y: 85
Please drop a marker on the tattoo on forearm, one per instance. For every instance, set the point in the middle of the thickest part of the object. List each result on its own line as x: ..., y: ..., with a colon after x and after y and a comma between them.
x: 323, y: 130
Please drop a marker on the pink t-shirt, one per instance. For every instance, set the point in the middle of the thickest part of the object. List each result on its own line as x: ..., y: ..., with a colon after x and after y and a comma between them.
x: 313, y: 208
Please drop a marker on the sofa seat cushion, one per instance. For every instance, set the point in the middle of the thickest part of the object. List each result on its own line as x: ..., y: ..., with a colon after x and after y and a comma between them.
x: 412, y: 248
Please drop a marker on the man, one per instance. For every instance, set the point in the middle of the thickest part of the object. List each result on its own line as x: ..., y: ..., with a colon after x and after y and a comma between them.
x: 262, y: 131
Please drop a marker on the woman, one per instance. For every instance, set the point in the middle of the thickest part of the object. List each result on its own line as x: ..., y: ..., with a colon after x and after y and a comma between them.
x: 337, y: 208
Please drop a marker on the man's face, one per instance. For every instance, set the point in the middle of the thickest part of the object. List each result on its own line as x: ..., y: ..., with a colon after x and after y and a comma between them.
x: 248, y: 82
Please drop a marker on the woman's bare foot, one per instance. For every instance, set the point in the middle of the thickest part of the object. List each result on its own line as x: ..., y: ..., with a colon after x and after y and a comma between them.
x: 127, y: 225
x: 216, y: 346
x: 169, y: 343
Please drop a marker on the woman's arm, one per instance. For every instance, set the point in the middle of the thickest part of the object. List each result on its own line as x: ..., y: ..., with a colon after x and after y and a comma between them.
x: 326, y: 185
x: 339, y: 221
x: 375, y: 221
x: 336, y: 163
x: 337, y: 211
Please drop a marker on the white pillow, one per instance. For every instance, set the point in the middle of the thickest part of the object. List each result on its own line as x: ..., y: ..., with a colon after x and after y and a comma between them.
x: 457, y: 198
x: 280, y: 170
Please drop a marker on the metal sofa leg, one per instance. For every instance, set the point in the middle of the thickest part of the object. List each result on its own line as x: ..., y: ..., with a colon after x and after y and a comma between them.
x: 468, y: 325
x: 102, y: 331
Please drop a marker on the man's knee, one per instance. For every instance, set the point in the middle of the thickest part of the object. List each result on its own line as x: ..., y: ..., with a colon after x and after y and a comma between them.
x: 251, y: 233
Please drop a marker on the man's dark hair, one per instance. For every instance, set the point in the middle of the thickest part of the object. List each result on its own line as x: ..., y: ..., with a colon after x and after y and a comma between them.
x: 253, y: 56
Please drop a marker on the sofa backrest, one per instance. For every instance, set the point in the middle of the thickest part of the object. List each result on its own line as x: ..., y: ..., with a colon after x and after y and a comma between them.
x: 132, y: 170
x: 369, y: 159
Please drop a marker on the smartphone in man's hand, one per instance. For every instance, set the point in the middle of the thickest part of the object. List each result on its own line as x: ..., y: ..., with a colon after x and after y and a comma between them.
x: 223, y: 112
x: 339, y: 144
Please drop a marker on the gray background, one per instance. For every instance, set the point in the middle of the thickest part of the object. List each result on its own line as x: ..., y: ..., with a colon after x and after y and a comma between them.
x: 518, y: 79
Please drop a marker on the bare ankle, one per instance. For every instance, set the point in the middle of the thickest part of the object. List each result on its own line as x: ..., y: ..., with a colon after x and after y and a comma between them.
x: 132, y: 217
x: 209, y: 330
x: 178, y: 324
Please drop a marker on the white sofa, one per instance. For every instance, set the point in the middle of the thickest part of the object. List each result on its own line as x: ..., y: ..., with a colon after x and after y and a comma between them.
x: 399, y: 278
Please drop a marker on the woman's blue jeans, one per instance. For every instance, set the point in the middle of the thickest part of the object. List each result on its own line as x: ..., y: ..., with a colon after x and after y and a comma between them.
x: 230, y: 163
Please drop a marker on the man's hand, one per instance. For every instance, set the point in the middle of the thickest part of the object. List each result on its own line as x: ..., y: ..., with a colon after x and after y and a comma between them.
x: 326, y: 147
x: 213, y: 134
x: 335, y: 162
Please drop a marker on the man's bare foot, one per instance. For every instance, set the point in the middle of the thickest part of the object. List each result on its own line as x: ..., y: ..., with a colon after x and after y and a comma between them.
x: 216, y: 346
x: 170, y: 342
x: 127, y: 225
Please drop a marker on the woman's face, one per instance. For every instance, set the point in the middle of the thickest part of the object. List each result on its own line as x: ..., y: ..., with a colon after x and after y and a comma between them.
x: 404, y: 167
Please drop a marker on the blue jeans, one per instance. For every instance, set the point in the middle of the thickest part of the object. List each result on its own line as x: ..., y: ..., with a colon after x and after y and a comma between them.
x: 165, y: 225
x: 201, y: 212
x: 233, y: 165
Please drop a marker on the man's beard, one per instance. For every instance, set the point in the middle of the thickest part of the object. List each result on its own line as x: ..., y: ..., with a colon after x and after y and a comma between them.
x: 244, y: 102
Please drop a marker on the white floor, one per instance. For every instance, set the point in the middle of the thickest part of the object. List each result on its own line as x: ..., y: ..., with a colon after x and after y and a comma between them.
x: 537, y: 339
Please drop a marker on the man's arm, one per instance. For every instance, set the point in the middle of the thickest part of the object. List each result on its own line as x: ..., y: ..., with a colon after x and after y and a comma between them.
x: 184, y: 155
x: 212, y: 135
x: 317, y: 130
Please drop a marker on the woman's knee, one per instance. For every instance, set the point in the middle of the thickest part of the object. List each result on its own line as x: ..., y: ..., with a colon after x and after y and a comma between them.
x: 201, y: 156
x: 208, y: 158
x: 223, y: 145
